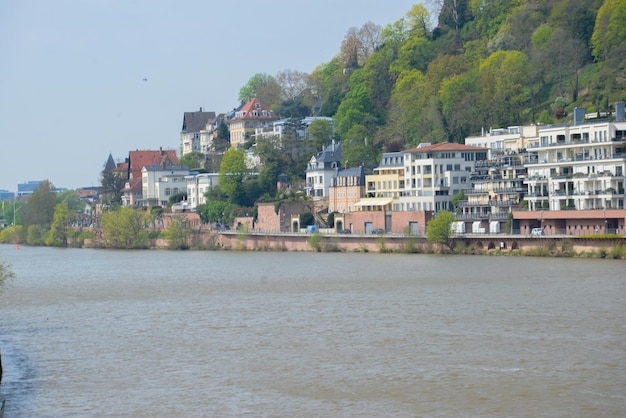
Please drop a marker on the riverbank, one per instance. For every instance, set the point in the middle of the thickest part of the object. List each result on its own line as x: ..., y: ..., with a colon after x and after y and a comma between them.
x: 610, y: 246
x: 588, y: 246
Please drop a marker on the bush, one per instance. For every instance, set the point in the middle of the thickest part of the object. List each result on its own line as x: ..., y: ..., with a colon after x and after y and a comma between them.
x: 315, y: 241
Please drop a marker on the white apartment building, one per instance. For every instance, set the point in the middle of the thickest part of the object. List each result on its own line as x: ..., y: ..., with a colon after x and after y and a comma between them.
x: 159, y: 183
x: 579, y: 166
x: 197, y: 186
x: 433, y: 174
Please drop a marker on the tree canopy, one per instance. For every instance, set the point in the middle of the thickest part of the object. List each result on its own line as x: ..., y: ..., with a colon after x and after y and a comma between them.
x: 39, y: 209
x: 232, y: 172
x: 439, y: 229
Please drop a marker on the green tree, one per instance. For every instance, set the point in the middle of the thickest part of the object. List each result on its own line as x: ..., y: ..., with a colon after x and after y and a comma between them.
x: 193, y: 160
x: 262, y: 86
x: 39, y: 209
x: 14, y: 234
x: 112, y: 184
x: 124, y: 228
x: 357, y: 151
x: 458, y: 197
x: 439, y: 229
x: 504, y: 87
x: 459, y: 95
x: 177, y: 233
x: 396, y: 33
x: 356, y: 108
x: 406, y: 106
x: 73, y: 201
x: 217, y: 211
x: 608, y: 43
x: 609, y: 33
x: 36, y: 234
x: 329, y: 82
x: 233, y: 171
x: 320, y: 133
x: 60, y: 224
x: 454, y: 13
x: 274, y: 161
x: 178, y: 197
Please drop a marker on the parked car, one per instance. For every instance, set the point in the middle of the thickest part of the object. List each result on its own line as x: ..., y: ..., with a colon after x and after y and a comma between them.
x: 345, y: 231
x: 536, y: 231
x: 378, y: 231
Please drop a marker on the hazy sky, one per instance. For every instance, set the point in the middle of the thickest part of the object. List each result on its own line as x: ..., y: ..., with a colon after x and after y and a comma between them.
x: 71, y: 71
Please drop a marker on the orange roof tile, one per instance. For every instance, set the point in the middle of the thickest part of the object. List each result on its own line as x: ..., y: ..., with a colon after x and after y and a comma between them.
x: 254, y: 104
x: 140, y: 159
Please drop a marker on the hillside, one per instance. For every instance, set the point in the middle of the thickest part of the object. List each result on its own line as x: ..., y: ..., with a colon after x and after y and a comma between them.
x: 487, y: 64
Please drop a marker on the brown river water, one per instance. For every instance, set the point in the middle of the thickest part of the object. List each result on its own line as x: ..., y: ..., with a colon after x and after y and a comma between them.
x: 88, y: 333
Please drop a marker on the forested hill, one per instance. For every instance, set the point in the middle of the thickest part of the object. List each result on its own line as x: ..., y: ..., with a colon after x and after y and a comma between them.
x: 487, y: 63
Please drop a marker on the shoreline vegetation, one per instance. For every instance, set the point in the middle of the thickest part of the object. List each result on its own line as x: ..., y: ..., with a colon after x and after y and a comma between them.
x: 605, y: 246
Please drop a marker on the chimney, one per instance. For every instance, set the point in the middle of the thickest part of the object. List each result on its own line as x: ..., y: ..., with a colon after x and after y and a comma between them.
x: 619, y: 112
x: 347, y: 164
x: 333, y: 147
x: 579, y: 115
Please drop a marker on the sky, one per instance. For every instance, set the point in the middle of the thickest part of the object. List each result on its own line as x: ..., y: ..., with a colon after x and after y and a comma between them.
x: 72, y: 72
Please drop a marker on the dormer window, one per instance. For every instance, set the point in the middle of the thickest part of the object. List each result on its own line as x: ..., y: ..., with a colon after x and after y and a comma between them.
x: 257, y: 105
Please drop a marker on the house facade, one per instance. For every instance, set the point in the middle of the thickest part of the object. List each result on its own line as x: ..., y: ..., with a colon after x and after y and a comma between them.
x: 197, y: 186
x: 137, y: 160
x: 246, y: 120
x: 209, y: 134
x: 579, y: 166
x: 433, y: 174
x: 194, y: 123
x: 321, y: 168
x: 346, y: 189
x: 161, y: 182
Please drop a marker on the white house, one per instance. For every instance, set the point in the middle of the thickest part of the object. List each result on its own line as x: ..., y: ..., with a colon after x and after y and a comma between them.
x: 161, y: 182
x: 197, y: 186
x: 321, y: 168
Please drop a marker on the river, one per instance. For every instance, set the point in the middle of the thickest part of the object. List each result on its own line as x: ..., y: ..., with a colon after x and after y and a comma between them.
x: 88, y: 332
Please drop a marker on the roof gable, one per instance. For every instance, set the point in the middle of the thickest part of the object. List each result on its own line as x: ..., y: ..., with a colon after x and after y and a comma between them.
x: 254, y: 109
x: 196, y: 121
x: 140, y: 159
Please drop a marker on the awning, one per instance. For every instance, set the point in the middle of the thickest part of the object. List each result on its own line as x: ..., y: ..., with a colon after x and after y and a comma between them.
x: 374, y: 202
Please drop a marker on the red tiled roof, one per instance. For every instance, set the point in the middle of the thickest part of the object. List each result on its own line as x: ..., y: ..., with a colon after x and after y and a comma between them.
x: 86, y: 192
x: 246, y: 111
x: 134, y: 184
x: 446, y: 146
x: 140, y: 159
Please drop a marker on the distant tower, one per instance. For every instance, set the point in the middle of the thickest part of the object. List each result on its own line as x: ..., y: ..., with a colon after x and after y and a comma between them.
x: 110, y: 165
